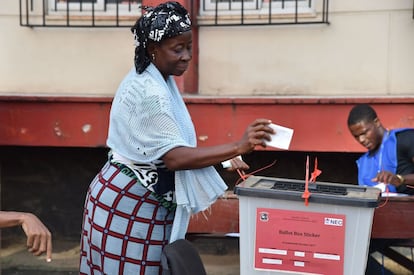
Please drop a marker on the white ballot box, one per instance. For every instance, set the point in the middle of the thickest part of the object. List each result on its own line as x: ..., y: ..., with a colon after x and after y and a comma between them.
x: 280, y: 234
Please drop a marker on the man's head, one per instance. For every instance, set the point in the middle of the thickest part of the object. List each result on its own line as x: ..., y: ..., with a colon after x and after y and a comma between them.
x: 365, y: 126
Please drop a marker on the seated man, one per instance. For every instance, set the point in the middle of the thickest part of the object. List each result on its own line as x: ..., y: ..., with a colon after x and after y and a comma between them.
x: 390, y: 156
x: 389, y: 162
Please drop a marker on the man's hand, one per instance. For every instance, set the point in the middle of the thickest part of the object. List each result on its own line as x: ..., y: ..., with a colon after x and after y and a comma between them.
x: 39, y: 238
x: 388, y: 177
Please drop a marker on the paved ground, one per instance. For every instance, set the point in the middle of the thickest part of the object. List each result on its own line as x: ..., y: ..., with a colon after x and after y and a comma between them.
x: 220, y: 257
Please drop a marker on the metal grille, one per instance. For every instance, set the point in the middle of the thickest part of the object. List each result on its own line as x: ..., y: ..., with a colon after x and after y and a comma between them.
x: 79, y: 13
x: 261, y: 12
x: 123, y: 13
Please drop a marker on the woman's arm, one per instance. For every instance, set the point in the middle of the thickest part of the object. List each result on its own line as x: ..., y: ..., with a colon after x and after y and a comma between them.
x: 183, y: 158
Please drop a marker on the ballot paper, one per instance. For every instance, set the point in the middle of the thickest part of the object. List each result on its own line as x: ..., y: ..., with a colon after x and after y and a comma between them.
x: 384, y: 192
x: 382, y: 186
x: 227, y: 163
x: 390, y: 194
x: 282, y: 137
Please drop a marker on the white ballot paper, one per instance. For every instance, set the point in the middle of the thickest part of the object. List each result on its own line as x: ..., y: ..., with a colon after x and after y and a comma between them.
x: 282, y: 137
x: 227, y: 163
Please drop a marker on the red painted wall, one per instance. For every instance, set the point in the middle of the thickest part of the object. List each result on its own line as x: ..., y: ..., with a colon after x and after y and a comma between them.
x: 319, y: 124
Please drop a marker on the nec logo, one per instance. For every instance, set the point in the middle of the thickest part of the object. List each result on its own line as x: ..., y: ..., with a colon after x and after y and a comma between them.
x: 334, y: 222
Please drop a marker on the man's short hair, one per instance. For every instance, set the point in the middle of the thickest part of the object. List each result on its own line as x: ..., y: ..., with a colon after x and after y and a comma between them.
x: 361, y: 112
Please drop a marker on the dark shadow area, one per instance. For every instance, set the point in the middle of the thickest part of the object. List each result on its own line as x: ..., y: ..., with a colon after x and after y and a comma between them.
x: 335, y: 167
x: 51, y: 182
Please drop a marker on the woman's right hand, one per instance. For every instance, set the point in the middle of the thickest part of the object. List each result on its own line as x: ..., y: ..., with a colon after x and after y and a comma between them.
x: 257, y: 133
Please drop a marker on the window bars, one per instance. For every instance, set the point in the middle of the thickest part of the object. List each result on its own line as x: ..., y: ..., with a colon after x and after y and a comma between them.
x: 123, y: 13
x: 262, y: 12
x: 78, y: 13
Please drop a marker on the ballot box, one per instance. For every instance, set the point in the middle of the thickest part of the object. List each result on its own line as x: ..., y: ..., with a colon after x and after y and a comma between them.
x: 282, y: 234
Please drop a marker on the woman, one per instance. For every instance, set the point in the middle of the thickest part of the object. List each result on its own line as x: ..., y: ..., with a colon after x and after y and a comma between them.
x: 156, y: 176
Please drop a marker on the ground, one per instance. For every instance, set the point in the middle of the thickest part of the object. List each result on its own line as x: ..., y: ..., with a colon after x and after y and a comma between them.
x: 220, y: 257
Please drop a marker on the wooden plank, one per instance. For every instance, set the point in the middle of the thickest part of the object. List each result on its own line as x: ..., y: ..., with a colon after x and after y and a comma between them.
x: 393, y: 218
x: 319, y: 124
x: 222, y: 217
x: 398, y: 257
x: 54, y: 123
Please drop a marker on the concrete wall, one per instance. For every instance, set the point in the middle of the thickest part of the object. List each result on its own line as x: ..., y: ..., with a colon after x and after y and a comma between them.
x: 61, y: 61
x: 366, y: 50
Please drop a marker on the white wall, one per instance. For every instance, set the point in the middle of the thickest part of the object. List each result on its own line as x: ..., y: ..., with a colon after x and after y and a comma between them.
x: 366, y: 50
x: 61, y: 61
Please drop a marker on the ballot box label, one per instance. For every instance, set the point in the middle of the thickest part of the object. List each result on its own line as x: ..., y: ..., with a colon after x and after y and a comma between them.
x: 299, y: 241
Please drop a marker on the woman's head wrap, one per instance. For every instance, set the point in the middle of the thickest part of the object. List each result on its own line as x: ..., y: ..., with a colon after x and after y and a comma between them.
x: 156, y: 24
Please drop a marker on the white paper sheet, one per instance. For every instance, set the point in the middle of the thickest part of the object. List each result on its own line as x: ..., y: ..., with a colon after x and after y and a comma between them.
x: 227, y: 163
x: 282, y: 138
x: 384, y: 193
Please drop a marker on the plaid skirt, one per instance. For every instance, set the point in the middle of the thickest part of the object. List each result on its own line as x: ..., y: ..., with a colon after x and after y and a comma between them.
x: 125, y: 228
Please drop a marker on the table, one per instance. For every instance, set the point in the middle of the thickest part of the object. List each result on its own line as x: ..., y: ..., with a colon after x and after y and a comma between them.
x: 393, y: 220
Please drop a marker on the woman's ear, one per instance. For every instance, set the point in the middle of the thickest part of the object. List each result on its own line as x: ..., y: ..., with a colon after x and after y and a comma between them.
x: 151, y: 48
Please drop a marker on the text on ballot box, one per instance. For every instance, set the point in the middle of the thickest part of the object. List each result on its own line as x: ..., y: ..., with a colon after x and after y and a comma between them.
x: 280, y: 235
x: 299, y: 241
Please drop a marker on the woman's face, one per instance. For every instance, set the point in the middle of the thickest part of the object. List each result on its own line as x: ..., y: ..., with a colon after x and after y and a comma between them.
x: 367, y: 133
x: 172, y: 55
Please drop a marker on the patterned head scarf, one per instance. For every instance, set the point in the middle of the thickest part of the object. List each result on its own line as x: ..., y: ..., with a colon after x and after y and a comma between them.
x: 156, y: 24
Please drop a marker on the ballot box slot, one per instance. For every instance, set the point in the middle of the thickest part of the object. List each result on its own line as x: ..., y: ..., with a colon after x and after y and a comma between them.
x: 313, y: 188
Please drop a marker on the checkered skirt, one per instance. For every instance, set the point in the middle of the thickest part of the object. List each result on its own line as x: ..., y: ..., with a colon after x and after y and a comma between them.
x: 124, y: 227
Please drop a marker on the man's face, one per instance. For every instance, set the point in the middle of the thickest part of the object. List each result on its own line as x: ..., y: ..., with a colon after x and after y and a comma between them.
x: 367, y: 133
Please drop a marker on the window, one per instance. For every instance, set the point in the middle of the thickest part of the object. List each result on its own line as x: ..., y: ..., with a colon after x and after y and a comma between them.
x: 260, y: 12
x: 73, y: 5
x: 290, y: 6
x: 79, y: 13
x: 124, y: 7
x: 231, y: 4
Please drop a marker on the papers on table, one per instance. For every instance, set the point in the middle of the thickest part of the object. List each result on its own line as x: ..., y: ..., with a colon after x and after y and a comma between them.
x: 384, y: 193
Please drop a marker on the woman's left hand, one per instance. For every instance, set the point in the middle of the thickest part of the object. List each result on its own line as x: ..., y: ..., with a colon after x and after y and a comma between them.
x: 237, y: 164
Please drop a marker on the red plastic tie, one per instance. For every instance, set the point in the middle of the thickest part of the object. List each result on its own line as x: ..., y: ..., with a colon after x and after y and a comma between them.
x: 244, y: 176
x: 316, y: 172
x: 306, y: 194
